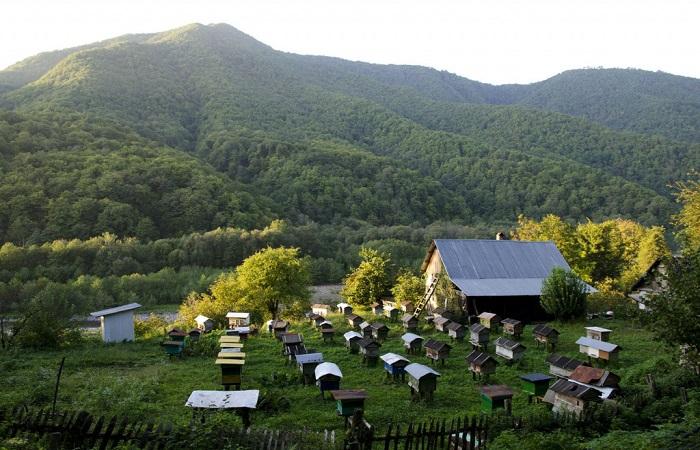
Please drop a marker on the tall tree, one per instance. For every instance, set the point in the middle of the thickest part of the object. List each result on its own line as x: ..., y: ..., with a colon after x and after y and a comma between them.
x: 369, y: 281
x: 688, y: 219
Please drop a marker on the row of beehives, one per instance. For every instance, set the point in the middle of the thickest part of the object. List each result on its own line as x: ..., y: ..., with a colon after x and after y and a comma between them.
x: 176, y: 340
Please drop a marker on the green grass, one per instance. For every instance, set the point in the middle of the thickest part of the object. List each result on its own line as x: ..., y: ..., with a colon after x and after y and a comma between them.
x: 139, y: 380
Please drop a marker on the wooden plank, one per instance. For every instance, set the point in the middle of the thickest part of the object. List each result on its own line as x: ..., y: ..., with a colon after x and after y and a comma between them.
x: 106, y: 436
x: 120, y: 433
x: 92, y: 436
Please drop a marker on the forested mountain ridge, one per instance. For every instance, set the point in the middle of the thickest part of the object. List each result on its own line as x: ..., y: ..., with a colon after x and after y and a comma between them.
x: 317, y: 139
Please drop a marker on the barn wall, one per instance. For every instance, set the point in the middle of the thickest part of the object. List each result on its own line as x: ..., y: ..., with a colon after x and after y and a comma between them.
x: 118, y: 327
x: 525, y: 308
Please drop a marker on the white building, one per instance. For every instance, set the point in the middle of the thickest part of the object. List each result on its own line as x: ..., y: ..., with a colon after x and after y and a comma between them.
x: 117, y: 324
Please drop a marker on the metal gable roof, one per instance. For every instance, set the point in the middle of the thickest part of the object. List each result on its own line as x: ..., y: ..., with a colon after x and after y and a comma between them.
x: 115, y: 310
x: 599, y: 345
x: 418, y: 371
x: 393, y: 358
x: 483, y: 268
x: 327, y: 368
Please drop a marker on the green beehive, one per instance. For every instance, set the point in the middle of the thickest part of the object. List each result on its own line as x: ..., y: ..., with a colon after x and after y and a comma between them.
x: 496, y: 396
x: 349, y: 400
x: 231, y: 372
x: 535, y: 384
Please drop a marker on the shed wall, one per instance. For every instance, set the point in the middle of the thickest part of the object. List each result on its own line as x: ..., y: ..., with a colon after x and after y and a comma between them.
x: 118, y: 327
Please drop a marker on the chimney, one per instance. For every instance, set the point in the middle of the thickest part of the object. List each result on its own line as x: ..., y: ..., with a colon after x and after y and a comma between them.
x: 501, y: 236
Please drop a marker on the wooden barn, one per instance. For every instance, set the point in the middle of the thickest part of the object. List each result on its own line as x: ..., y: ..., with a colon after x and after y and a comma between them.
x: 410, y: 322
x: 500, y: 276
x: 437, y: 350
x: 412, y: 343
x: 570, y: 397
x: 545, y: 335
x: 117, y: 324
x: 422, y: 380
x: 511, y: 351
x: 562, y: 366
x: 481, y: 364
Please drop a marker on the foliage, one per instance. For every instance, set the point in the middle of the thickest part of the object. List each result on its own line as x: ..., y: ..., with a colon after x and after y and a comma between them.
x: 408, y: 287
x: 368, y: 282
x: 153, y: 325
x: 564, y: 295
x: 688, y: 219
x: 675, y: 309
x: 612, y: 254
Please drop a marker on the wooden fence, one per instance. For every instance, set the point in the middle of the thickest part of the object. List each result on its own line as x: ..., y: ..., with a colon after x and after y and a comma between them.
x: 467, y: 433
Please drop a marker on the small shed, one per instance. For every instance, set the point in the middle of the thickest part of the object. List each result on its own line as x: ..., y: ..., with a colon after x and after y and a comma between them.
x: 321, y: 309
x: 366, y: 329
x: 354, y: 320
x: 328, y: 377
x: 441, y: 323
x: 456, y: 330
x: 598, y: 333
x: 394, y: 365
x: 410, y: 322
x: 349, y: 400
x: 204, y: 323
x: 595, y: 348
x: 117, y: 324
x: 351, y: 341
x: 344, y: 308
x: 562, y: 366
x: 242, y: 402
x: 545, y: 335
x: 512, y: 327
x: 379, y: 331
x: 238, y: 319
x: 479, y: 336
x: 510, y: 350
x: 377, y: 309
x: 369, y: 349
x: 496, y: 396
x: 307, y: 365
x: 422, y: 380
x: 489, y: 320
x: 481, y: 364
x: 535, y: 385
x: 231, y: 370
x: 392, y: 313
x: 569, y: 397
x: 412, y: 343
x: 408, y: 307
x: 437, y: 350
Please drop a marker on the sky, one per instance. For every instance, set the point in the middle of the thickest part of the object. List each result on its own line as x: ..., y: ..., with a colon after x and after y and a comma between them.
x: 494, y: 41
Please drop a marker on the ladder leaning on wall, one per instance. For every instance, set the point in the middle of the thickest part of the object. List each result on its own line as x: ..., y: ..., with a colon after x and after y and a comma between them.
x: 426, y: 297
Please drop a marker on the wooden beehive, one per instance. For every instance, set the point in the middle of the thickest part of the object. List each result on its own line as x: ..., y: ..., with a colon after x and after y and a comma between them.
x: 441, y: 323
x: 598, y: 333
x: 436, y: 350
x: 354, y: 320
x: 535, y: 384
x: 366, y: 329
x: 490, y: 320
x: 410, y: 323
x: 545, y: 335
x: 422, y: 380
x: 456, y: 331
x: 231, y: 370
x: 511, y: 351
x: 379, y: 331
x: 328, y: 376
x: 496, y: 396
x: 369, y: 349
x: 349, y: 400
x: 307, y: 365
x: 512, y: 327
x: 481, y: 364
x: 479, y: 335
x: 351, y: 341
x: 412, y: 343
x: 394, y: 365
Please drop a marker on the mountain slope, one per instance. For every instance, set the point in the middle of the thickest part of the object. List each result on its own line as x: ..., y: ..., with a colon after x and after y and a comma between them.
x: 321, y: 139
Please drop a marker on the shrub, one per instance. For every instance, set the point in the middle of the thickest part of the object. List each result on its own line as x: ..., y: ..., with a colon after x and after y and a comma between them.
x: 151, y: 326
x: 564, y: 295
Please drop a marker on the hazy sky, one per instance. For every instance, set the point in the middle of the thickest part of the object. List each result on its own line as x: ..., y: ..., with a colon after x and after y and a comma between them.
x: 494, y: 41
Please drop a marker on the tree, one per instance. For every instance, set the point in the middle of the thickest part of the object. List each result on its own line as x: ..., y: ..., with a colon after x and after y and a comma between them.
x: 677, y: 309
x: 271, y: 282
x: 564, y: 295
x: 688, y: 219
x: 408, y: 287
x: 369, y: 281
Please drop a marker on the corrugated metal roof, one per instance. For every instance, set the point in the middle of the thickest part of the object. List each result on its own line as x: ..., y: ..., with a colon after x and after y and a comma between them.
x: 418, y: 371
x: 509, y: 344
x: 535, y: 377
x: 393, y: 358
x: 238, y: 315
x: 344, y: 305
x: 594, y: 343
x: 479, y: 358
x: 327, y: 368
x: 309, y: 358
x: 492, y: 268
x: 352, y: 334
x: 115, y: 310
x: 563, y: 362
x: 223, y: 399
x: 599, y: 329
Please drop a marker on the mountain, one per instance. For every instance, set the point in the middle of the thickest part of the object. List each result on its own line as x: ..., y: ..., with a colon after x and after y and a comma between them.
x: 251, y: 134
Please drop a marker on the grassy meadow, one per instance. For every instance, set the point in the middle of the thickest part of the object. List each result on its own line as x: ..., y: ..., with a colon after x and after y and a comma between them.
x: 138, y: 380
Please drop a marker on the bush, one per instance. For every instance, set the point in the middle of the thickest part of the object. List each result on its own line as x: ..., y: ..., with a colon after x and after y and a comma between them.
x: 564, y: 295
x: 153, y: 325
